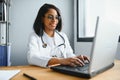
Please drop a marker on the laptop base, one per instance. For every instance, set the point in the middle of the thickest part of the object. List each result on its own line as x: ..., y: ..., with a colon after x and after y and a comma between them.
x: 82, y: 74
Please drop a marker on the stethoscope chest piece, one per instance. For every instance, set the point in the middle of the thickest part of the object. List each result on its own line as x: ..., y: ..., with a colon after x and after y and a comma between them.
x: 44, y: 45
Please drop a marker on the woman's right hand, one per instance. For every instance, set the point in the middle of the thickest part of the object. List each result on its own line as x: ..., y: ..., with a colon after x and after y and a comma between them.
x: 74, y: 61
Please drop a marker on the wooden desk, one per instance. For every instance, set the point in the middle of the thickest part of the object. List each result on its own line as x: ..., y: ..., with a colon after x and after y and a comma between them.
x: 48, y: 74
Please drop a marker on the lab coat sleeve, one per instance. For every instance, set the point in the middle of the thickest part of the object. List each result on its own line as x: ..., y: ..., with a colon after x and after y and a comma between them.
x: 37, y: 55
x: 68, y: 49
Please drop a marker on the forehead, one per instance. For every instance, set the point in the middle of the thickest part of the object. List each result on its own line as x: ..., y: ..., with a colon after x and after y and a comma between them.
x: 52, y: 11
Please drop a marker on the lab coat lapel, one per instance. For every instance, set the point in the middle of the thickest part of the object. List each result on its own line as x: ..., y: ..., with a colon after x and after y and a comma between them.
x: 47, y: 40
x: 58, y: 39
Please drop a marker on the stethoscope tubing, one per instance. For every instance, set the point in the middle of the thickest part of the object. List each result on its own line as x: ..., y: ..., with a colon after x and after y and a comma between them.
x: 45, y: 45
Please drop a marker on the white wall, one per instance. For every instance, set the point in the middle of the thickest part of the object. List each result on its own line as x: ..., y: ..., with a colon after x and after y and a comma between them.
x: 22, y: 16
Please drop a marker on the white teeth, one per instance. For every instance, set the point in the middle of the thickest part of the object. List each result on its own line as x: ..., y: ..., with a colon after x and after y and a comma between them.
x: 53, y: 25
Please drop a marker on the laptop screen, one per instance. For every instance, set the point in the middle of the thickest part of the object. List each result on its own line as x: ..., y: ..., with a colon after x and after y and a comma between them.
x: 104, y: 45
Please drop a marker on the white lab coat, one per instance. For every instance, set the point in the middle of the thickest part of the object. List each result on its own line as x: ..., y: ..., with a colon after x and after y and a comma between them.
x: 37, y: 55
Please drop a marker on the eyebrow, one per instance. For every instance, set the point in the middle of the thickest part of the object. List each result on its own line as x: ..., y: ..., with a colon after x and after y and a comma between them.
x: 52, y: 15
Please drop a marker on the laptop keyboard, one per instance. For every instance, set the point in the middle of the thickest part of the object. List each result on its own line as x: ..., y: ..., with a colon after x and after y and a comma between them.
x: 83, y: 68
x: 76, y: 69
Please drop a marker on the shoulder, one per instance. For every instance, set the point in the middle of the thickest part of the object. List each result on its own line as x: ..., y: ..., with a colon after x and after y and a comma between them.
x: 62, y: 34
x: 33, y: 36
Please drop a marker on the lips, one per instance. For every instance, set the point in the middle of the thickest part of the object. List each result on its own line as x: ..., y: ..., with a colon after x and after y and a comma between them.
x: 53, y: 25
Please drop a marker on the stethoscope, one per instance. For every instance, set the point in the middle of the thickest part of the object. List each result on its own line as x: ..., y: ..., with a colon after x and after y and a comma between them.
x: 45, y: 44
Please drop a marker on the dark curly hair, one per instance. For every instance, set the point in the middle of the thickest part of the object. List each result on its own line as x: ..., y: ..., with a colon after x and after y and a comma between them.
x: 38, y: 25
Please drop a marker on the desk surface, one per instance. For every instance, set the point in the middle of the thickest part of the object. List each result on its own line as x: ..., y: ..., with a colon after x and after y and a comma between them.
x: 48, y: 74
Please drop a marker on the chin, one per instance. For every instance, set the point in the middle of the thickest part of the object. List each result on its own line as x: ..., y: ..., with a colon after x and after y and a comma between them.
x: 51, y: 29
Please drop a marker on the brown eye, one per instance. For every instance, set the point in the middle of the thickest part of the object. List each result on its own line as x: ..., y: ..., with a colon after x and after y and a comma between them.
x: 57, y: 17
x: 50, y: 17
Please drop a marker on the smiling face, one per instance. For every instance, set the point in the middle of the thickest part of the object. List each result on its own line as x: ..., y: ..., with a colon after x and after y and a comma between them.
x: 50, y: 20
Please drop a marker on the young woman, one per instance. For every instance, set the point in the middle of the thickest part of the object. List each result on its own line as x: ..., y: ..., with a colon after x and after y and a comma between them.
x: 47, y: 44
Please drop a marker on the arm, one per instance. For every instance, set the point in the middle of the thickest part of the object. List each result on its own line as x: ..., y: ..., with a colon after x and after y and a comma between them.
x: 73, y: 61
x: 37, y: 55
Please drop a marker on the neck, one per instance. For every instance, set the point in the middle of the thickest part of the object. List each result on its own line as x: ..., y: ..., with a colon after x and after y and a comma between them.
x: 50, y: 33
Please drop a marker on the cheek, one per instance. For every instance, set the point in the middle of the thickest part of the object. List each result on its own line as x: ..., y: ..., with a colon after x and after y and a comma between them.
x: 57, y: 22
x: 45, y: 22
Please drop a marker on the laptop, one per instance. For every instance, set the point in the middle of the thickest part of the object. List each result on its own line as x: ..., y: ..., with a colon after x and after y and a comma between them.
x: 102, y: 54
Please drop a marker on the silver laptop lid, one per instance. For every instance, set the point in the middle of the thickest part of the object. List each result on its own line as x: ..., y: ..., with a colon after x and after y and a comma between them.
x: 104, y: 45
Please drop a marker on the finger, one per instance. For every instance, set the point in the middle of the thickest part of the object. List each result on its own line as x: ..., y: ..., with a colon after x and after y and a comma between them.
x: 86, y: 58
x: 81, y: 57
x: 72, y: 64
x: 76, y: 61
x: 81, y: 63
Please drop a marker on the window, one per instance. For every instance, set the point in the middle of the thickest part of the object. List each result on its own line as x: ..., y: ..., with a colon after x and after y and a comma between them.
x: 87, y: 12
x: 82, y: 23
